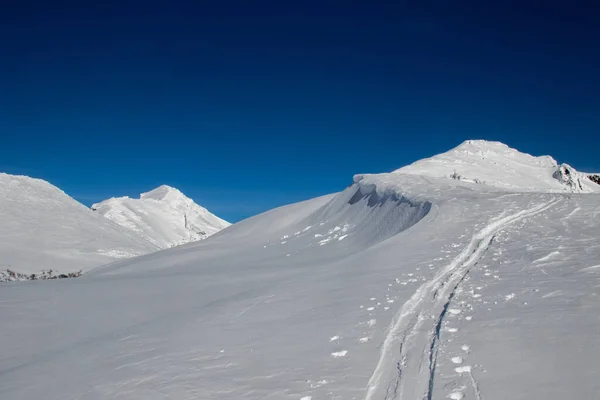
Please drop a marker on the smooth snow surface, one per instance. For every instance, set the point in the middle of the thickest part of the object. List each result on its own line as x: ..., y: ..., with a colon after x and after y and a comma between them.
x: 440, y: 289
x: 163, y: 216
x: 42, y: 228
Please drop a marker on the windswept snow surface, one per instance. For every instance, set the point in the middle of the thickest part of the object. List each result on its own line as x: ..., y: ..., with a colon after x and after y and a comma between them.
x: 42, y: 228
x: 163, y: 216
x: 439, y: 289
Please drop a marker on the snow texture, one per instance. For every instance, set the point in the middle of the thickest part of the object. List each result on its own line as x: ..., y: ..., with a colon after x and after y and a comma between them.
x: 163, y: 216
x: 263, y: 310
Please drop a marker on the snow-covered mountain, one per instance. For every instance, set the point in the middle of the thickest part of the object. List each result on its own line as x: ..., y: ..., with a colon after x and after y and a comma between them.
x: 496, y: 164
x: 163, y: 216
x: 405, y: 285
x: 42, y: 228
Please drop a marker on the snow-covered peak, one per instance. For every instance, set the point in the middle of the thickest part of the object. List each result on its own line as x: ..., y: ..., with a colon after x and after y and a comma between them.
x: 164, y: 216
x: 164, y: 193
x: 498, y: 165
x: 481, y: 148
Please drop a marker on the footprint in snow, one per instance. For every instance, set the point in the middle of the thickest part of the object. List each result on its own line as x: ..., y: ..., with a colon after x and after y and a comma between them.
x: 456, y: 396
x: 452, y: 330
x: 457, y: 360
x: 316, y: 385
x: 371, y: 322
x: 465, y: 347
x: 338, y: 354
x: 334, y: 338
x: 454, y: 311
x: 463, y: 369
x: 306, y: 398
x: 364, y: 339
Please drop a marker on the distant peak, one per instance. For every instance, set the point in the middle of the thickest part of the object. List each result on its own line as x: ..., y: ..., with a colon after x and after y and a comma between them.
x: 480, y: 143
x: 163, y: 192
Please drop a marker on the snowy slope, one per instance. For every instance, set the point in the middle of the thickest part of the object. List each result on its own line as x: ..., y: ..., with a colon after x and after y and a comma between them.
x: 163, y: 216
x: 43, y: 228
x: 496, y: 164
x: 402, y: 286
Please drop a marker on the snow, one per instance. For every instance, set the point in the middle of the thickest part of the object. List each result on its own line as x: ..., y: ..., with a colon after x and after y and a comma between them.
x: 495, y: 164
x: 44, y: 229
x: 242, y: 316
x: 163, y: 216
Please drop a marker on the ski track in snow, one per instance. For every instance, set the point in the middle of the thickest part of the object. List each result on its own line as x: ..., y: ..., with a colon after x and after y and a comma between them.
x: 407, y: 353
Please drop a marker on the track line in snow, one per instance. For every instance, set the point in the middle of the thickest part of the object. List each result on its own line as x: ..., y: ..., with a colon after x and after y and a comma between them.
x: 474, y: 384
x: 406, y: 351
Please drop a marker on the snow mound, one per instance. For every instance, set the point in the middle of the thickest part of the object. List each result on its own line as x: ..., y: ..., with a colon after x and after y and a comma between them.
x: 163, y: 216
x: 43, y: 228
x: 497, y: 165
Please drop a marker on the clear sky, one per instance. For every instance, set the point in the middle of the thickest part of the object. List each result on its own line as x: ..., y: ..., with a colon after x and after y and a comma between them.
x: 247, y: 105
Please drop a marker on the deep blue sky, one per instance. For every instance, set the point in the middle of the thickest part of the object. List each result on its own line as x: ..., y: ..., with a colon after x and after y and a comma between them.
x: 253, y: 104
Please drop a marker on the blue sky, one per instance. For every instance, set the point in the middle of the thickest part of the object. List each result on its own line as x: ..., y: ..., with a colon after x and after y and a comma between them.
x: 245, y: 106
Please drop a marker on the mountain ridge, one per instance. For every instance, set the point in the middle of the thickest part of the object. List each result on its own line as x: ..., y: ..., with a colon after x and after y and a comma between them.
x: 44, y: 228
